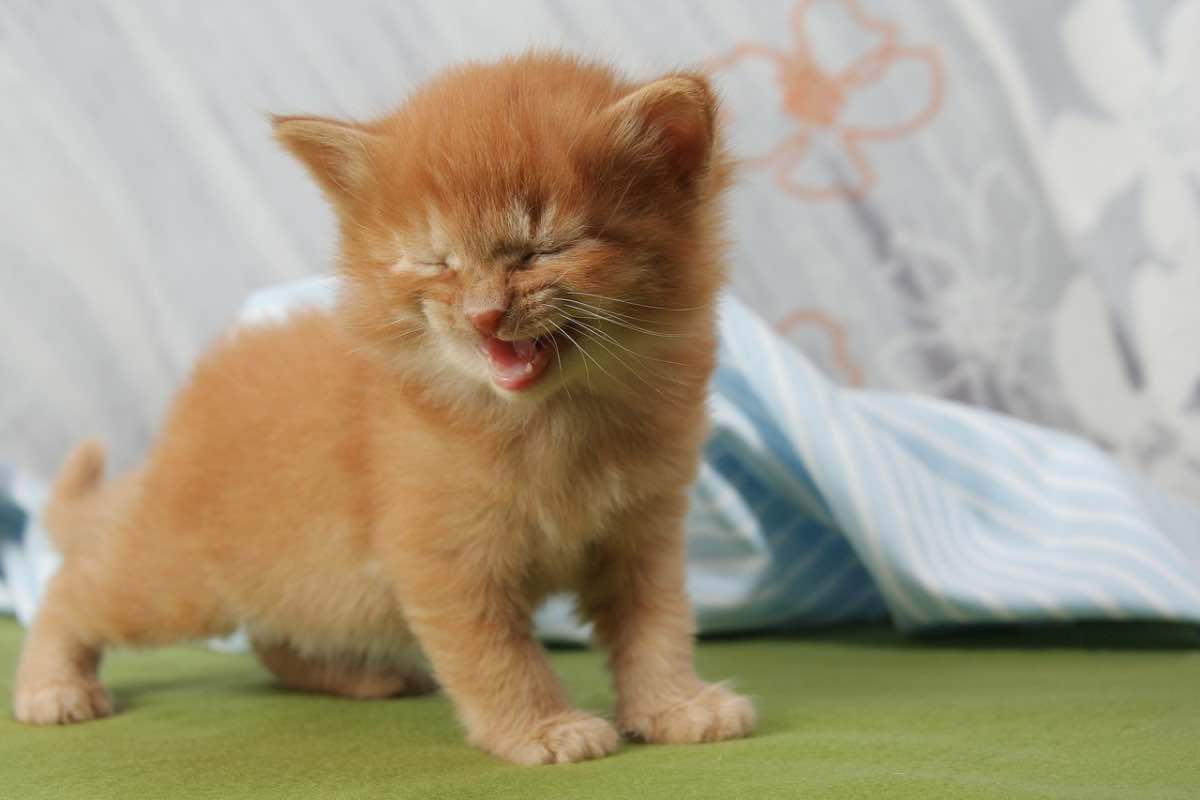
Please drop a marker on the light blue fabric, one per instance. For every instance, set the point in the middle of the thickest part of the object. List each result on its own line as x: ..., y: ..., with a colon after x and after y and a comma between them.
x: 817, y: 504
x: 847, y: 502
x: 27, y: 559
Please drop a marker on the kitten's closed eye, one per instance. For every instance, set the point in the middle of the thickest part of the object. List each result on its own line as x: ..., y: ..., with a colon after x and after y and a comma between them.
x: 529, y: 256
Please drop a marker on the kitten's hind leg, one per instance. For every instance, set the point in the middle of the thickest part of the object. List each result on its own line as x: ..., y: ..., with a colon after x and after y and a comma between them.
x: 346, y: 676
x: 57, y: 679
x: 93, y: 602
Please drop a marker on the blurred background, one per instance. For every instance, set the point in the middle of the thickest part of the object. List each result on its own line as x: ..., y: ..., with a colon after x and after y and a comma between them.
x: 993, y: 202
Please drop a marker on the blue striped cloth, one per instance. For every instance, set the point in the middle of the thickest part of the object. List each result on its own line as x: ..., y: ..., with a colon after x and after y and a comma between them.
x: 817, y: 505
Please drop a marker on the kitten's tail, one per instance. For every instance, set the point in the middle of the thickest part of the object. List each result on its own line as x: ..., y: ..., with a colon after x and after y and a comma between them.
x: 71, y: 509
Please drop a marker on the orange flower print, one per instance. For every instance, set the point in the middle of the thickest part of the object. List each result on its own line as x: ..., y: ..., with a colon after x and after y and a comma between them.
x: 838, y: 339
x: 840, y: 106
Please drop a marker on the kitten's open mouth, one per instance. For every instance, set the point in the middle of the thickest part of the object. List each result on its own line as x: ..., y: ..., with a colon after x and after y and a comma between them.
x: 517, y: 364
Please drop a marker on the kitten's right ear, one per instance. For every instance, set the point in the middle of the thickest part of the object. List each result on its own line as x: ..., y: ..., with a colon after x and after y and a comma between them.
x: 338, y: 154
x: 669, y: 121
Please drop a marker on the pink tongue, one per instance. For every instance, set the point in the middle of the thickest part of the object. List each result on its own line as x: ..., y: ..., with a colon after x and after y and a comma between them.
x: 515, y: 365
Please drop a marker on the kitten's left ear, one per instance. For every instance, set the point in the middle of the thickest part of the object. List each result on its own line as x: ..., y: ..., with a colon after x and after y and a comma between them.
x: 336, y: 153
x: 671, y: 120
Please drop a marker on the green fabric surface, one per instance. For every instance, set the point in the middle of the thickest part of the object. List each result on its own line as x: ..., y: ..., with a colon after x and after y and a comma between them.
x: 857, y: 713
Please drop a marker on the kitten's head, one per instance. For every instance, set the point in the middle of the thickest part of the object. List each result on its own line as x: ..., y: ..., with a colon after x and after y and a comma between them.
x: 527, y: 225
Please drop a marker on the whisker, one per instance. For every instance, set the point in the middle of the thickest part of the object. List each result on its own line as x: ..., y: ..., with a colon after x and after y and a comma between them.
x: 609, y: 337
x: 643, y: 305
x: 593, y: 307
x: 391, y: 333
x: 586, y: 370
x: 619, y: 360
x: 363, y: 348
x: 397, y: 323
x: 659, y: 374
x: 630, y: 318
x: 520, y: 320
x: 596, y: 314
x: 587, y: 357
x: 572, y: 296
x: 544, y: 327
x: 595, y: 361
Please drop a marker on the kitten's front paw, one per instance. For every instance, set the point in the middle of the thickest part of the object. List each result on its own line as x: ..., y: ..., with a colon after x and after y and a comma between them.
x: 572, y: 736
x: 61, y: 702
x: 710, y: 715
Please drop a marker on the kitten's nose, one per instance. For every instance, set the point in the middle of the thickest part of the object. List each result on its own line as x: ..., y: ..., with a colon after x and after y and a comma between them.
x: 486, y: 321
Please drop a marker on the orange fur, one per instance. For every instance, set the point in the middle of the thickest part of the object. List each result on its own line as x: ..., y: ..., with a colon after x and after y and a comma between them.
x: 349, y: 486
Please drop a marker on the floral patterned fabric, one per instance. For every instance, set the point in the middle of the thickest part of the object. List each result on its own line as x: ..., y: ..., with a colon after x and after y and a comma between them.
x: 992, y: 202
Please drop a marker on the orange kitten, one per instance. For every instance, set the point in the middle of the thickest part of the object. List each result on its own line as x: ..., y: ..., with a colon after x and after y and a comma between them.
x: 508, y: 401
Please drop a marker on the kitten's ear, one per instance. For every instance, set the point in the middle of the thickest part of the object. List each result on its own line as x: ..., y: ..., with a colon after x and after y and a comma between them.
x: 336, y: 153
x: 671, y: 120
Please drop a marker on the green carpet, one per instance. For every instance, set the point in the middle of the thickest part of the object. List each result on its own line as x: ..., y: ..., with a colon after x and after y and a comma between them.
x: 860, y: 713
